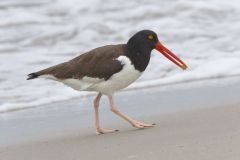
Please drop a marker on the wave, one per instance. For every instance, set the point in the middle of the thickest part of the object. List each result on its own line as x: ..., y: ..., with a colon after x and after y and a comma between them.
x: 35, y: 35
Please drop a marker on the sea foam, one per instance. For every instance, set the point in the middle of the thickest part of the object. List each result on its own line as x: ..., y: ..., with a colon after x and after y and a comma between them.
x: 35, y: 35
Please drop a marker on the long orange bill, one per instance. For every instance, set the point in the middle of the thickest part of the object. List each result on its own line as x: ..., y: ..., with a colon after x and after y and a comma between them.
x: 172, y: 57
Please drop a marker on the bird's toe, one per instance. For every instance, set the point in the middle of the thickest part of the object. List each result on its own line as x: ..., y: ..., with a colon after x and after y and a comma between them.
x: 100, y: 131
x: 144, y: 124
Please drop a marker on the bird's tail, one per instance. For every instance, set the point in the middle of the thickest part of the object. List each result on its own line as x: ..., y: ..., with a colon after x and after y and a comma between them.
x: 47, y: 71
x: 32, y: 76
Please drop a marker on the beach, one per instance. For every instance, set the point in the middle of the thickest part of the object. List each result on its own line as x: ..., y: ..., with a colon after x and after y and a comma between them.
x: 195, y: 120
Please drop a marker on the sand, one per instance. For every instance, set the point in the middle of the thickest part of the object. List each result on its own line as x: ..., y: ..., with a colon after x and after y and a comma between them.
x: 209, y: 131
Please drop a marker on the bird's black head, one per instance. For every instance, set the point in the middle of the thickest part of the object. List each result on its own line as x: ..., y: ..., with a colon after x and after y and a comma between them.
x: 143, y: 41
x: 140, y: 46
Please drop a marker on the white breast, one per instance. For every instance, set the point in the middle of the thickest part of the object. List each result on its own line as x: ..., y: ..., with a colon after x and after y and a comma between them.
x: 120, y: 80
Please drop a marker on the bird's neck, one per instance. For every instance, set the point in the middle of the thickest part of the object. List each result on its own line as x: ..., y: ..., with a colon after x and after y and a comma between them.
x: 139, y: 56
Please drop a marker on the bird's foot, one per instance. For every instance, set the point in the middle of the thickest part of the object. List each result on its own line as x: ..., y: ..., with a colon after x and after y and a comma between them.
x: 138, y: 124
x: 104, y: 131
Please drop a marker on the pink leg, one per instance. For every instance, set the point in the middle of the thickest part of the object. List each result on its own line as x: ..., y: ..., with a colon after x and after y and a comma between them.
x: 99, y: 130
x: 133, y: 122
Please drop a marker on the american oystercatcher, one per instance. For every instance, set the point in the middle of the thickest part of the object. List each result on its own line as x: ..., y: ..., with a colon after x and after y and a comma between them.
x: 108, y: 69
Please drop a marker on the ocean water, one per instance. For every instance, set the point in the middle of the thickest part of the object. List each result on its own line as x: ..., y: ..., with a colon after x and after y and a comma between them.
x: 38, y: 34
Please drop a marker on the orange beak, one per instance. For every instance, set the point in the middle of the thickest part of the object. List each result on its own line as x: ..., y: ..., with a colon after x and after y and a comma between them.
x: 172, y: 57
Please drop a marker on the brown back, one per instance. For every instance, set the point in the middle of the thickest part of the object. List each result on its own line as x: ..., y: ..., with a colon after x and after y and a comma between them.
x: 97, y: 63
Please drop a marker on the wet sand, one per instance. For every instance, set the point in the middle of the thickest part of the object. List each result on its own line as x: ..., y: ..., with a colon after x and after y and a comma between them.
x: 197, y: 120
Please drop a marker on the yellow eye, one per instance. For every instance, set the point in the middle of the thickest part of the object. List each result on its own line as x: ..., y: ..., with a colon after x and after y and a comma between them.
x: 150, y: 37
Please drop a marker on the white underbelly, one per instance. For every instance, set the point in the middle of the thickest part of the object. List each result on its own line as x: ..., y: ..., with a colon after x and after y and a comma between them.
x: 116, y: 82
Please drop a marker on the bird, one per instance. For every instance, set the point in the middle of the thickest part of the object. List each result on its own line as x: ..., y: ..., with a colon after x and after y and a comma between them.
x: 108, y: 69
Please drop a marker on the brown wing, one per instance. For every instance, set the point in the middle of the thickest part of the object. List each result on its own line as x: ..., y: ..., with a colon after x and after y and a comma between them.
x: 97, y: 63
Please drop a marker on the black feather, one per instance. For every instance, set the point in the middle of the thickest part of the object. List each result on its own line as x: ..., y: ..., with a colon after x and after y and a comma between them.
x: 32, y: 76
